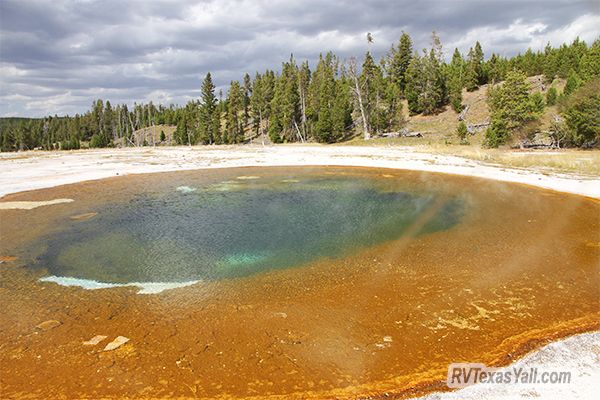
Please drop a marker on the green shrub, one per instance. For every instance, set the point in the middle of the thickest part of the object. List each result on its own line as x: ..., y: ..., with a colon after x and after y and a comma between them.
x: 582, y: 114
x: 573, y: 82
x: 461, y: 132
x: 537, y: 103
x: 497, y: 133
x: 511, y: 108
x: 98, y: 141
x: 274, y: 131
x: 551, y: 96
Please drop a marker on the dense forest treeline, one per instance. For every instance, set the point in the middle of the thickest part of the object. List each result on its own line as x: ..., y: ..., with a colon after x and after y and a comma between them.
x: 339, y: 100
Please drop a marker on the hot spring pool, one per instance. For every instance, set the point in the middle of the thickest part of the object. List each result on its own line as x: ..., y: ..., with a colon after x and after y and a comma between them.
x: 306, y: 282
x: 193, y: 231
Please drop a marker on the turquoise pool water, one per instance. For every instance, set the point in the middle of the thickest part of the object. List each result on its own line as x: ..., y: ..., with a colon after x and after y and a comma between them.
x: 189, y: 231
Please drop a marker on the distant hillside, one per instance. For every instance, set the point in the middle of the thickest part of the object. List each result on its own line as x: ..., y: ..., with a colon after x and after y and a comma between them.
x: 151, y: 136
x: 13, y: 121
x: 441, y: 127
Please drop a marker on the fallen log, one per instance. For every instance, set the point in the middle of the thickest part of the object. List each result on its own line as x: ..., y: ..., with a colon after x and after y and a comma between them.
x: 402, y: 133
x: 474, y: 128
x: 463, y: 113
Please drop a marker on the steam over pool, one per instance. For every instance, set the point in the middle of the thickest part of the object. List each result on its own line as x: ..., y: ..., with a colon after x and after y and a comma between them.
x: 191, y: 232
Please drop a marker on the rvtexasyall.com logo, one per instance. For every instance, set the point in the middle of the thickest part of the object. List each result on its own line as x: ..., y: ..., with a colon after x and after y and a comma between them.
x: 461, y: 375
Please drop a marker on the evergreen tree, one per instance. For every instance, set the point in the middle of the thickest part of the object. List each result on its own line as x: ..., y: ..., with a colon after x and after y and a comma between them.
x: 511, y: 107
x: 582, y: 114
x: 573, y: 82
x: 474, y: 74
x: 341, y: 118
x: 257, y: 104
x: 415, y: 84
x: 108, y: 122
x: 181, y: 133
x: 537, y: 102
x: 551, y: 96
x: 461, y: 132
x: 235, y: 109
x: 260, y: 101
x: 392, y: 116
x: 322, y: 90
x: 590, y: 62
x: 400, y: 58
x: 285, y: 106
x: 426, y: 89
x: 369, y: 80
x: 569, y: 57
x: 550, y: 64
x: 247, y: 92
x: 303, y: 93
x: 495, y: 69
x: 455, y: 80
x: 208, y: 127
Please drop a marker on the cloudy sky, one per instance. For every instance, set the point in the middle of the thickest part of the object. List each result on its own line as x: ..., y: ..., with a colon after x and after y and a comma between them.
x: 57, y: 56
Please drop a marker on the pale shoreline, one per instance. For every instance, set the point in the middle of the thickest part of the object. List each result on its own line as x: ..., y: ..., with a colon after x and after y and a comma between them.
x: 579, y: 354
x: 37, y: 170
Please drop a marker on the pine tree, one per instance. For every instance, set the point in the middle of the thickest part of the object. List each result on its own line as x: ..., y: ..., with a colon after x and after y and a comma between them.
x: 181, y: 134
x: 429, y: 90
x: 285, y: 106
x: 97, y: 117
x: 108, y: 129
x: 370, y: 81
x: 455, y: 81
x: 462, y: 131
x: 511, y: 107
x: 590, y: 62
x: 415, y: 84
x: 303, y: 93
x: 342, y: 109
x: 322, y: 95
x: 400, y: 58
x: 569, y: 57
x: 235, y: 108
x: 260, y: 101
x: 573, y: 82
x: 247, y: 92
x: 392, y: 117
x: 474, y: 74
x: 257, y: 104
x: 537, y: 102
x: 208, y: 130
x: 582, y: 114
x: 495, y: 69
x: 551, y: 96
x: 550, y: 64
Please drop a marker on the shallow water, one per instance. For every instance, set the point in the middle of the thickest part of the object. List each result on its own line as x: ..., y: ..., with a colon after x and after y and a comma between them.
x: 201, y: 231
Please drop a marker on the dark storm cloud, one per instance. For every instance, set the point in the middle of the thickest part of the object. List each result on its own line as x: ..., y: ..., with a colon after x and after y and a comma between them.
x: 57, y: 56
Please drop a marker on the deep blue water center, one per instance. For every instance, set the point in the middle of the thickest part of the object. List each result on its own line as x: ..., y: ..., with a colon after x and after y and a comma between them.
x: 239, y: 227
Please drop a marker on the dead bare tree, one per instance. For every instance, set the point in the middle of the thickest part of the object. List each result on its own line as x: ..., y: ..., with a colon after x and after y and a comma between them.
x: 357, y: 89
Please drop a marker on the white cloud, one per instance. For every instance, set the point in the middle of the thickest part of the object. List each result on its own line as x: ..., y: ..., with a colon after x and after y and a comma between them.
x: 534, y: 35
x: 586, y: 27
x: 58, y: 55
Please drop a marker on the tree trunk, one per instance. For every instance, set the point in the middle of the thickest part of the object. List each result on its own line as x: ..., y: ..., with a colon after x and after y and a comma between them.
x: 260, y: 128
x: 358, y: 93
x: 367, y: 135
x: 298, y: 131
x: 303, y: 108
